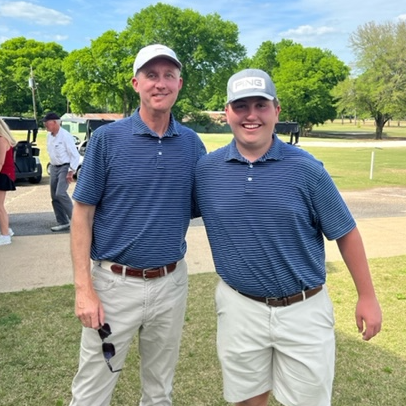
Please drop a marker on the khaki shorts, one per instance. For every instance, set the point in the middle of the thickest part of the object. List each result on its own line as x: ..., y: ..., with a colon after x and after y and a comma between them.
x: 289, y: 350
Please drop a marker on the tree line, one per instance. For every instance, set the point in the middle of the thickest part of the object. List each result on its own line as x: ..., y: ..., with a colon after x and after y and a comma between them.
x: 313, y: 84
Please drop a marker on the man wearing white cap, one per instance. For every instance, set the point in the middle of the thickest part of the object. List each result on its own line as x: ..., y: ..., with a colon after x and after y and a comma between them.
x: 133, y: 204
x: 267, y: 206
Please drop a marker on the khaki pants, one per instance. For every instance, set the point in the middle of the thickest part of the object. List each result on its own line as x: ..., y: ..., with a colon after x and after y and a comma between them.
x: 154, y: 309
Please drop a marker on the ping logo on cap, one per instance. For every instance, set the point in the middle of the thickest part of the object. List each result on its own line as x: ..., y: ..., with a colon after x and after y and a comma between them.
x: 249, y: 83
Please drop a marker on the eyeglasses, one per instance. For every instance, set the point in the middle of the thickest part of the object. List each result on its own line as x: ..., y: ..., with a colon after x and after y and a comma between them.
x: 108, y: 348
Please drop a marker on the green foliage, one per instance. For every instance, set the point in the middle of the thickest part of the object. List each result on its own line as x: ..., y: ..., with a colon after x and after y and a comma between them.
x: 265, y: 57
x: 17, y: 56
x: 304, y: 78
x: 99, y: 77
x: 199, y: 118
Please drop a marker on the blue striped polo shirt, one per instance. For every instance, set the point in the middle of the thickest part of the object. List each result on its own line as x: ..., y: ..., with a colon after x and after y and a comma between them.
x: 265, y: 220
x: 142, y: 187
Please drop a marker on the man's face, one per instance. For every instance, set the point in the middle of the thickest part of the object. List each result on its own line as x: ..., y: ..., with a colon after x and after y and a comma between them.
x: 158, y: 83
x: 52, y: 126
x: 252, y: 121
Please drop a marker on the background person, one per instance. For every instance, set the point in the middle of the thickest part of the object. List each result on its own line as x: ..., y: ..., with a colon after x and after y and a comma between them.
x: 133, y: 204
x: 7, y: 178
x: 266, y: 206
x: 64, y: 158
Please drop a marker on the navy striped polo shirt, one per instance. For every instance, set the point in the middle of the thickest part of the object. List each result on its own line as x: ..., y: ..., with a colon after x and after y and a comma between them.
x: 142, y: 187
x: 265, y: 220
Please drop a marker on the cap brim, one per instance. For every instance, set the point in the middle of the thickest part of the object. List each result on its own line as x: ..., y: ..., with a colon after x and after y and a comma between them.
x: 167, y: 57
x: 252, y: 94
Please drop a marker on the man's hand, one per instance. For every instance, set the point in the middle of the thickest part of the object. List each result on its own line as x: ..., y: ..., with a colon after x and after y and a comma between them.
x: 69, y: 176
x: 368, y: 317
x: 88, y: 309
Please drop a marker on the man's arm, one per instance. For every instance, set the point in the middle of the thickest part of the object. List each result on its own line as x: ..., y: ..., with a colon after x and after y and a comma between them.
x: 72, y: 151
x: 368, y: 312
x: 88, y: 307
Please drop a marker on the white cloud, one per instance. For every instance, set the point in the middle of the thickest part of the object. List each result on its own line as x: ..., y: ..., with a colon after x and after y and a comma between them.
x: 402, y: 17
x: 39, y: 15
x: 308, y: 31
x: 58, y: 38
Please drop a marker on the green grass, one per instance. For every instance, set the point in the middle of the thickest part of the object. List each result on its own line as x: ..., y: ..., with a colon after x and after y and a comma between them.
x: 350, y: 168
x: 40, y: 337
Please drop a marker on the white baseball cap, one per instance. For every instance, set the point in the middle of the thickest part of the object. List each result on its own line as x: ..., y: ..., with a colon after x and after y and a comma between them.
x: 250, y: 83
x: 154, y: 51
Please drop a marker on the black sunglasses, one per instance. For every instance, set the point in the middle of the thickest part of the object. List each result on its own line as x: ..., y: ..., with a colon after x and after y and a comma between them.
x: 108, y: 348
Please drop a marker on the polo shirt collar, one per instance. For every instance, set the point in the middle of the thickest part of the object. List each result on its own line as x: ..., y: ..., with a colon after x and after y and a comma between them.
x: 140, y: 128
x: 275, y: 152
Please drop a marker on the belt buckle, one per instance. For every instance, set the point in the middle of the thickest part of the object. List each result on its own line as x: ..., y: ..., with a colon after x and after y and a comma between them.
x: 269, y: 299
x: 144, y: 273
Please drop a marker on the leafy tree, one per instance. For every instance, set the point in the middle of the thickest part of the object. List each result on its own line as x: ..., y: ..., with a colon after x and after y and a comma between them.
x: 380, y: 51
x: 304, y: 78
x: 98, y: 78
x: 17, y: 57
x: 344, y: 93
x: 265, y: 57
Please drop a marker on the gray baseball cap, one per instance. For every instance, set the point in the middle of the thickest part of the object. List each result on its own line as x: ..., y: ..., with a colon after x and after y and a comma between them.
x: 154, y: 51
x: 250, y: 83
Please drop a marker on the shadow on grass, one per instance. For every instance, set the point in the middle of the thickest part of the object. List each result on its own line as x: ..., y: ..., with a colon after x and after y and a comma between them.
x: 40, y: 335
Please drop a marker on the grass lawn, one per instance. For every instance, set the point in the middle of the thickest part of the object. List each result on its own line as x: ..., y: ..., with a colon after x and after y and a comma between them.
x: 40, y: 337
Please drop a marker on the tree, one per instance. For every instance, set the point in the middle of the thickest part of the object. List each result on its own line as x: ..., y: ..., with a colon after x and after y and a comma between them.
x: 265, y: 57
x: 17, y: 57
x: 98, y: 78
x: 304, y: 78
x: 343, y: 93
x: 380, y: 88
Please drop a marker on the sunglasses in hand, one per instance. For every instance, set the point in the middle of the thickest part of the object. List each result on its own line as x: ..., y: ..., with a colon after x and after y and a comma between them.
x: 108, y: 348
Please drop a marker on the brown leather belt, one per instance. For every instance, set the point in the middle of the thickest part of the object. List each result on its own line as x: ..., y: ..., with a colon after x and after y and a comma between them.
x: 148, y: 273
x: 287, y: 300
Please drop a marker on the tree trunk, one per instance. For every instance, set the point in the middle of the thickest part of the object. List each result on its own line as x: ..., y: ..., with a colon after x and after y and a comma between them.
x: 379, y: 124
x: 378, y: 132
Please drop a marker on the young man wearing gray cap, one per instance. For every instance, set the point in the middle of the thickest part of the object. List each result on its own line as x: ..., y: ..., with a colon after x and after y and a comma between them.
x: 64, y: 158
x: 266, y: 206
x: 133, y: 204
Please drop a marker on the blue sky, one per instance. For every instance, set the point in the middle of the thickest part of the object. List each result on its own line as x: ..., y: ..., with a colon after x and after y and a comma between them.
x: 319, y: 23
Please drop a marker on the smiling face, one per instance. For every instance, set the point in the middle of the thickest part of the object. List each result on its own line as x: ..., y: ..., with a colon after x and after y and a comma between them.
x: 158, y: 83
x: 252, y: 121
